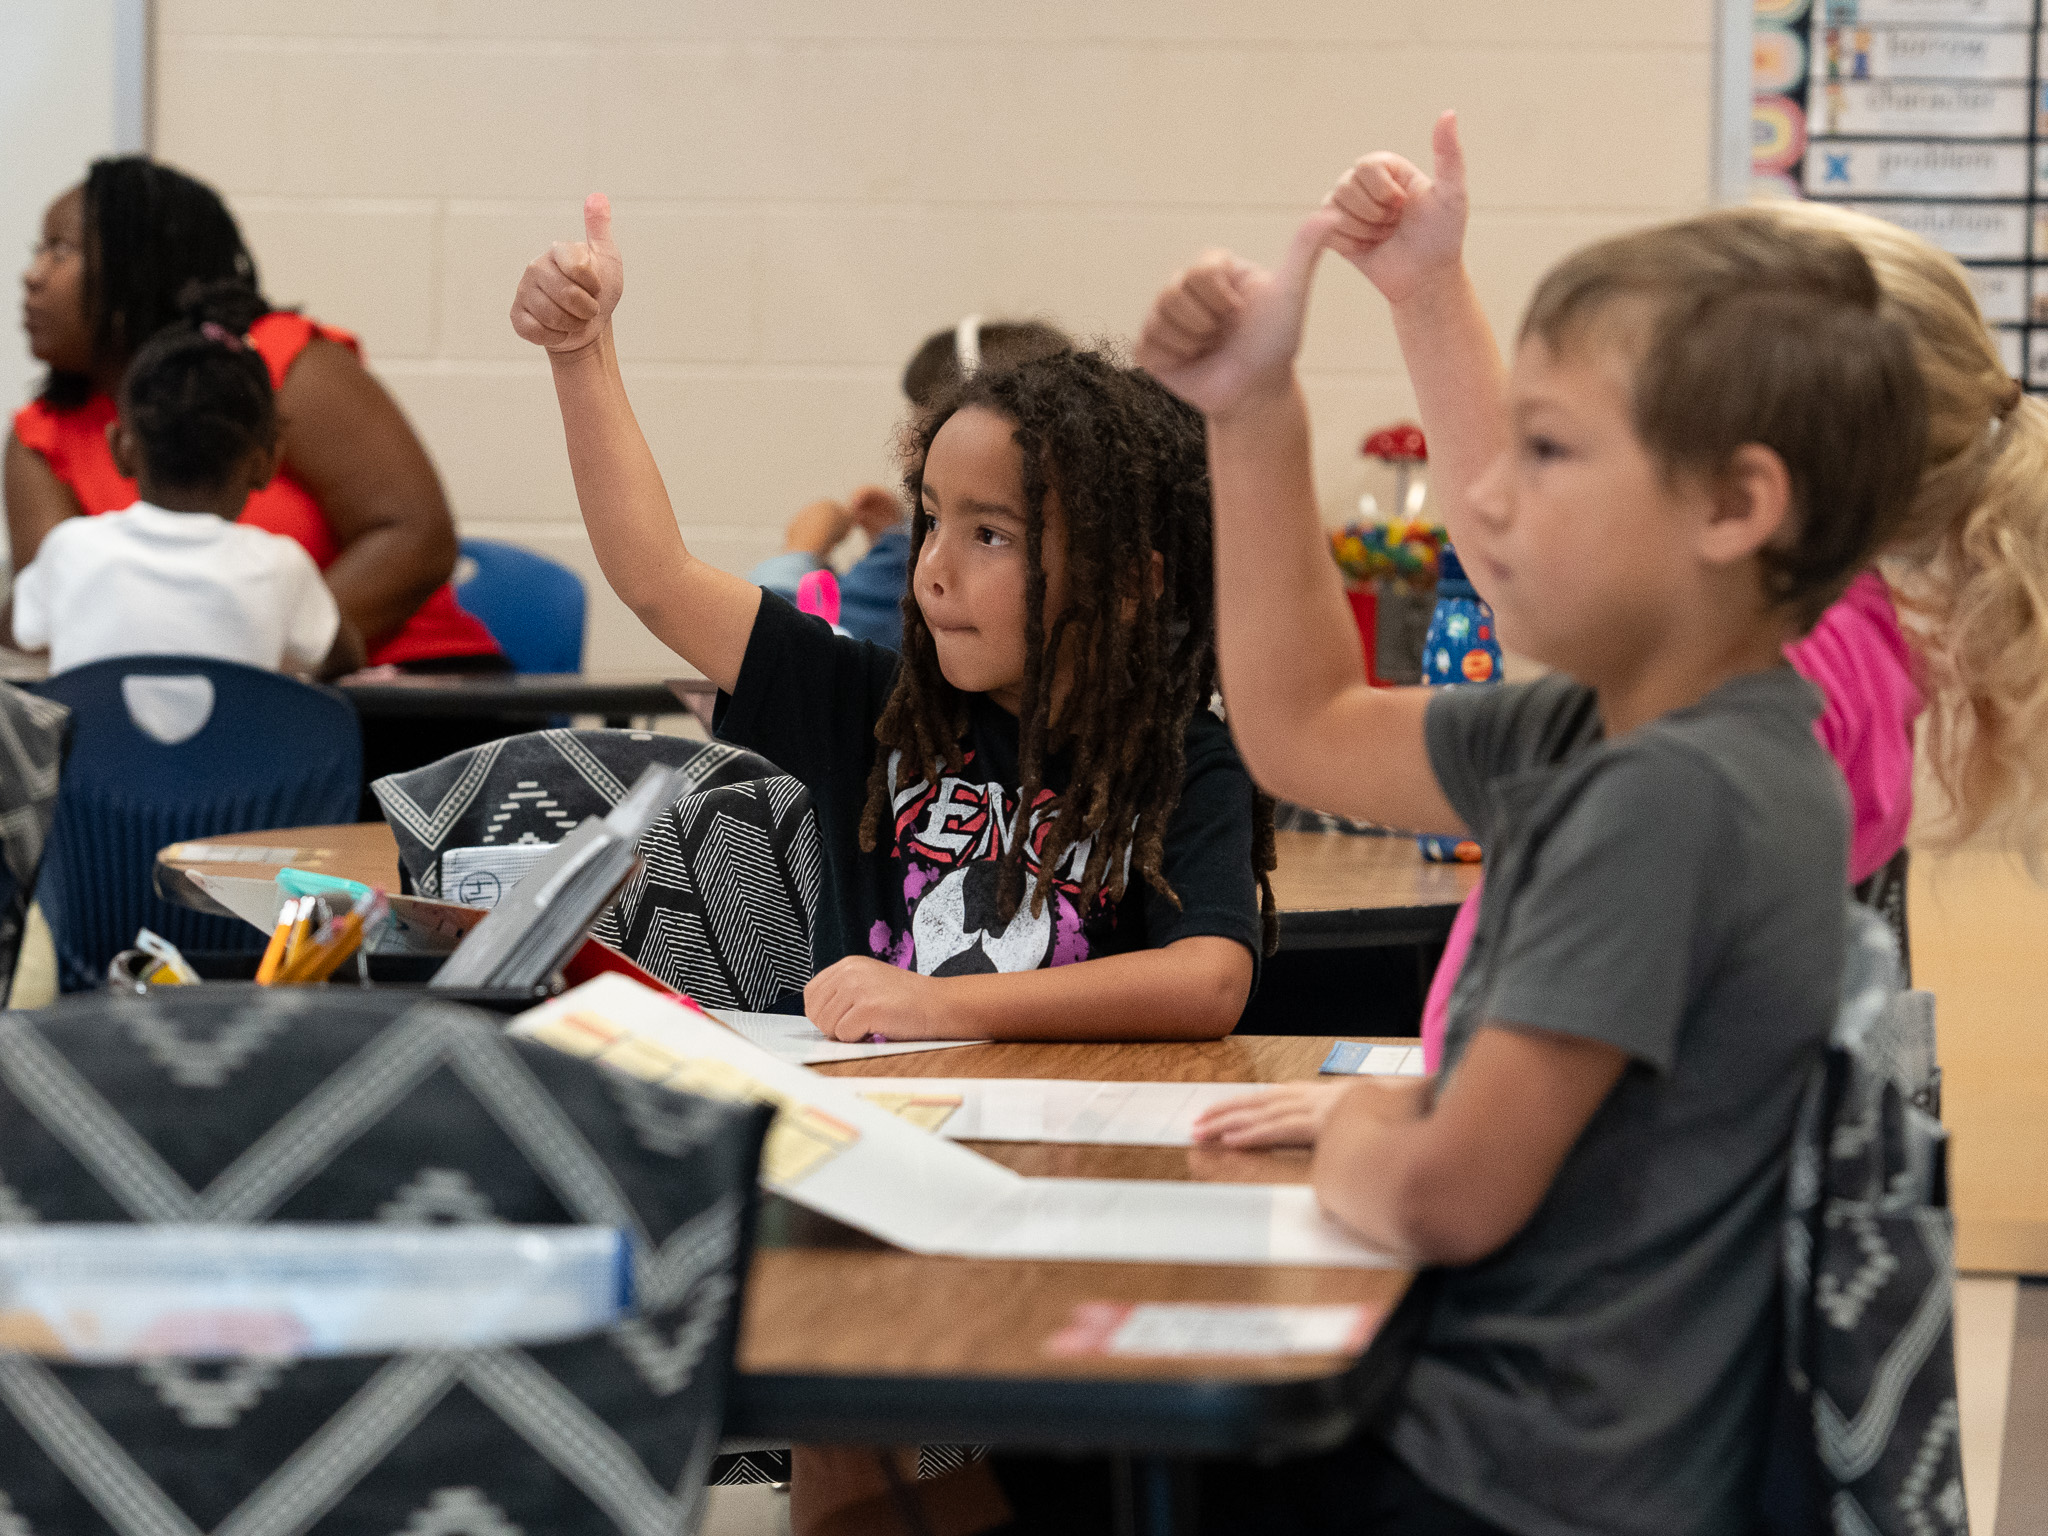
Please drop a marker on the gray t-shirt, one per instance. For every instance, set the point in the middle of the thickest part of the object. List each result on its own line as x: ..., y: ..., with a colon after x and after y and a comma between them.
x: 1676, y: 893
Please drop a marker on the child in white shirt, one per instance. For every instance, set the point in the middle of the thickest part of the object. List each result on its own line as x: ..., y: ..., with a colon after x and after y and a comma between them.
x: 175, y: 574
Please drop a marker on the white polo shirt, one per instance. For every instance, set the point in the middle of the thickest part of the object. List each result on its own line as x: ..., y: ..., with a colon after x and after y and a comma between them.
x: 146, y: 582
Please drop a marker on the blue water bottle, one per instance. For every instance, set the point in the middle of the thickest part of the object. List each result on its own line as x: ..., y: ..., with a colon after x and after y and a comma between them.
x: 1461, y: 647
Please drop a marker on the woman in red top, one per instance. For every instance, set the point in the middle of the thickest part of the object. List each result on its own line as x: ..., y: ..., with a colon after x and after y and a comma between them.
x: 356, y: 488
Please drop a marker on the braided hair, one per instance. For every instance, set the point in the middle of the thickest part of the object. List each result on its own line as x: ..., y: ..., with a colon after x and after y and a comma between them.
x: 1127, y: 465
x: 197, y: 397
x: 151, y: 233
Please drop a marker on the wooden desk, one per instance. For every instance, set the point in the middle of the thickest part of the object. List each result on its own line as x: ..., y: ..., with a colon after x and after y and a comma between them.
x: 848, y: 1340
x: 362, y: 850
x: 1334, y: 891
x: 1340, y: 891
x: 510, y: 695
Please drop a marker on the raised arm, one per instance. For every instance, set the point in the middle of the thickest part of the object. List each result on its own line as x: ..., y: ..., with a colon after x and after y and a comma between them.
x: 1223, y: 336
x: 564, y: 303
x: 1406, y: 232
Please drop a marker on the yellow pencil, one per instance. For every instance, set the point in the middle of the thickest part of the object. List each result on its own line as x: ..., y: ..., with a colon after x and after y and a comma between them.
x: 280, y: 940
x: 318, y: 959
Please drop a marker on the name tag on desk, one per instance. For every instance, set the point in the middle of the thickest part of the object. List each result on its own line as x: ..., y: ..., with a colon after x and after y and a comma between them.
x: 1354, y: 1058
x: 480, y: 877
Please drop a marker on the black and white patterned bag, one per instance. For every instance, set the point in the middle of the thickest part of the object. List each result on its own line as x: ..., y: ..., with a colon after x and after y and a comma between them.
x: 725, y: 906
x: 1867, y: 1439
x: 241, y: 1105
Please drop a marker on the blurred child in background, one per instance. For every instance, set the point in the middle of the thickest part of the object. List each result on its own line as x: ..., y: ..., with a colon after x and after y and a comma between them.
x: 175, y: 574
x: 871, y: 593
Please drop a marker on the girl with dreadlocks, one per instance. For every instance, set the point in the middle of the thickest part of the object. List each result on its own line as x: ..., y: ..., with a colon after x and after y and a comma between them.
x: 1033, y: 825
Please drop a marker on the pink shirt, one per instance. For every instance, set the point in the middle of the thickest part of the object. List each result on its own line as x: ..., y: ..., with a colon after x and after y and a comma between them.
x: 1858, y: 658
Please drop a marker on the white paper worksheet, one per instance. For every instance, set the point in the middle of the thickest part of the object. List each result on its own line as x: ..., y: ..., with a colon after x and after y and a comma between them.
x: 846, y: 1157
x: 1062, y: 1110
x: 793, y: 1038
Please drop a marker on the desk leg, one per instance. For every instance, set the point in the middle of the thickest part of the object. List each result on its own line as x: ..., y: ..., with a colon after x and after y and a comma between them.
x: 1155, y: 1496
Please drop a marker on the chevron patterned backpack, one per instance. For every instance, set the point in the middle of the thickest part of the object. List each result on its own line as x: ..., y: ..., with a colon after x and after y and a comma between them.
x: 246, y: 1105
x: 725, y: 908
x: 1865, y: 1441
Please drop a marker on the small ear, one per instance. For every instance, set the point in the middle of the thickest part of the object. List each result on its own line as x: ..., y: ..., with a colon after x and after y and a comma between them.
x: 264, y: 463
x: 121, y: 443
x: 1751, y: 507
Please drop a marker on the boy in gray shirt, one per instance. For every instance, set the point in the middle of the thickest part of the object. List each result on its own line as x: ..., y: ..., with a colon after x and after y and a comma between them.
x: 1709, y: 428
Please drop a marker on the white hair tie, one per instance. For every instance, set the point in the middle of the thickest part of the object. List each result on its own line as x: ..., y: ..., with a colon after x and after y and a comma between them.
x: 967, y: 345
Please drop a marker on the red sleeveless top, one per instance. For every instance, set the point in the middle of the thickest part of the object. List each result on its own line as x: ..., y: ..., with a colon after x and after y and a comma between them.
x: 74, y: 444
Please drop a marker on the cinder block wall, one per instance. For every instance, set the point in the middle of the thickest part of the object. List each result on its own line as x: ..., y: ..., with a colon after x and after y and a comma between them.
x: 804, y: 188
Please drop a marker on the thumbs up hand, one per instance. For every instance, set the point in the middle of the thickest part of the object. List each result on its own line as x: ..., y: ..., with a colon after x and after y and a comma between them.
x: 1398, y: 226
x: 1224, y: 332
x: 567, y: 293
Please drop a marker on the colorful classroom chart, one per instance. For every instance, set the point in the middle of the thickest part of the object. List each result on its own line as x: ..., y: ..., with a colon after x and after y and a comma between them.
x: 1916, y: 168
x: 1969, y: 231
x: 2002, y: 294
x: 1952, y: 108
x: 1931, y: 13
x: 1932, y: 114
x: 1922, y: 53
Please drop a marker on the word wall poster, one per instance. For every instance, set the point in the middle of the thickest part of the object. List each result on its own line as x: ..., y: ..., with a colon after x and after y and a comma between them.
x: 1929, y: 113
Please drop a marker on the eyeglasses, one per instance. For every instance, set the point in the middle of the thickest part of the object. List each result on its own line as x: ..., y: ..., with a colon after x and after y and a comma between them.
x: 56, y: 247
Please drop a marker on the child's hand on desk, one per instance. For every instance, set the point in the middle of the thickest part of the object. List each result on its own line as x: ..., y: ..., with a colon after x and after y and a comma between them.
x: 1286, y: 1116
x: 1223, y: 333
x: 856, y: 998
x: 1293, y: 1114
x: 1399, y: 227
x: 568, y: 292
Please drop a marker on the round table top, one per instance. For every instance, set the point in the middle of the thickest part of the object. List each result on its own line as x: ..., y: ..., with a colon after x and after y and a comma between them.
x: 1332, y: 888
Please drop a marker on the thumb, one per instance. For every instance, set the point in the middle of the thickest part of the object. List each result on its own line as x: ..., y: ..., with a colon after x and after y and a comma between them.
x: 597, y: 220
x: 1450, y: 154
x: 1298, y: 266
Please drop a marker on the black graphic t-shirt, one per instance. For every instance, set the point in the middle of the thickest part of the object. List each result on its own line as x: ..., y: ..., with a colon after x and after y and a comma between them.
x: 925, y: 899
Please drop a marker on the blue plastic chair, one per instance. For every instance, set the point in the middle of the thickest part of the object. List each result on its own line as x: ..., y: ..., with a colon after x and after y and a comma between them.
x: 169, y: 748
x: 532, y: 606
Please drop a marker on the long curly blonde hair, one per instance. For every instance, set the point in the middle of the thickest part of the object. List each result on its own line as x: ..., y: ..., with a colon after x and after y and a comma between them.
x: 1969, y: 571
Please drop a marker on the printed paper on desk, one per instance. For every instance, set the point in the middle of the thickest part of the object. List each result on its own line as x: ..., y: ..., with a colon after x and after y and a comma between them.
x: 793, y: 1038
x: 1356, y: 1058
x: 1169, y: 1329
x: 830, y: 1150
x: 894, y: 1181
x: 418, y: 926
x: 1064, y: 1111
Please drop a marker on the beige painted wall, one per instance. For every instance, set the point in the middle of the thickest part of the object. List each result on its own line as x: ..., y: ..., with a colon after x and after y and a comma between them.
x: 805, y: 188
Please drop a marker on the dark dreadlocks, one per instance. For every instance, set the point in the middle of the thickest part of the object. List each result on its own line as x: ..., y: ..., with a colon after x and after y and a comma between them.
x: 1127, y: 465
x: 151, y: 234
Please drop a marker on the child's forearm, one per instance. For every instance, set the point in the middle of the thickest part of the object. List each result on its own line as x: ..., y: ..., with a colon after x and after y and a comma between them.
x: 1445, y: 1173
x: 1285, y: 642
x: 1288, y: 653
x: 1368, y: 1174
x: 1460, y: 385
x: 703, y: 614
x: 1193, y: 989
